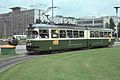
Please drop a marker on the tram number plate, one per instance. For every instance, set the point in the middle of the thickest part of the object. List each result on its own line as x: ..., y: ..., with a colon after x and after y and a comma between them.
x: 55, y: 42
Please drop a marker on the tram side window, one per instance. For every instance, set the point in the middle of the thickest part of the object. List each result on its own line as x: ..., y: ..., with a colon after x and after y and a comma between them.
x: 105, y: 34
x: 75, y: 33
x: 91, y: 34
x: 101, y: 34
x: 32, y: 34
x: 69, y: 33
x: 62, y: 34
x: 44, y: 33
x: 81, y: 33
x: 97, y: 34
x: 54, y: 33
x: 109, y: 34
x: 113, y: 34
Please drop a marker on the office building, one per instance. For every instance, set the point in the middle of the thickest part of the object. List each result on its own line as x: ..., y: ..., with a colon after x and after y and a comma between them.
x: 16, y: 21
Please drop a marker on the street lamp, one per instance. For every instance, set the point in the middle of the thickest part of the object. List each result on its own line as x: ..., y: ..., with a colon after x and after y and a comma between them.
x: 116, y: 8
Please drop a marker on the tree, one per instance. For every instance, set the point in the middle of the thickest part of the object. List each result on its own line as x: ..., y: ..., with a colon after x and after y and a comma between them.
x: 112, y: 24
x: 107, y: 25
x: 119, y: 29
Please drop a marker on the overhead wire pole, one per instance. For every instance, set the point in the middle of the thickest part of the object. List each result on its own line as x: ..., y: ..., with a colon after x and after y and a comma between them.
x: 47, y: 10
x: 116, y: 8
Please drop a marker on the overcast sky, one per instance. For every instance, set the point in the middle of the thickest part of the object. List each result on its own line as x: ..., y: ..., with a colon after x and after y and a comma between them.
x: 75, y: 8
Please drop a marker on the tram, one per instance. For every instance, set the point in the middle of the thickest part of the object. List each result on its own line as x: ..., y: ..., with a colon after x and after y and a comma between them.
x: 44, y: 37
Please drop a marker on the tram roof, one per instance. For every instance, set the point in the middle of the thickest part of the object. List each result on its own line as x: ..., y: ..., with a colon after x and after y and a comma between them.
x: 57, y: 26
x: 70, y: 26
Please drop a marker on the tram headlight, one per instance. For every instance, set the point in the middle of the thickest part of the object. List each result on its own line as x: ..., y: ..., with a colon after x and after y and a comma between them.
x: 29, y: 43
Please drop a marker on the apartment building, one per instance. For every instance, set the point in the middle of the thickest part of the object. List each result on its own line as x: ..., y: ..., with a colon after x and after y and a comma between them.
x: 16, y: 21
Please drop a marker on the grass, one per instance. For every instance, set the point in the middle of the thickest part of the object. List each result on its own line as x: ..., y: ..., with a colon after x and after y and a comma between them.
x: 94, y: 64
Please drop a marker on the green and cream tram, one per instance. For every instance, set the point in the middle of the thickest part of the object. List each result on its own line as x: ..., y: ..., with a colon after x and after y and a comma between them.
x: 43, y: 37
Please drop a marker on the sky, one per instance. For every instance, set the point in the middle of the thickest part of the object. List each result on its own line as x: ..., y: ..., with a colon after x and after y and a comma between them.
x: 73, y: 8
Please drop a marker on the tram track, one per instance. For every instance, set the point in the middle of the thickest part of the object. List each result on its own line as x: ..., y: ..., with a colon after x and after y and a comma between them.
x: 7, y: 63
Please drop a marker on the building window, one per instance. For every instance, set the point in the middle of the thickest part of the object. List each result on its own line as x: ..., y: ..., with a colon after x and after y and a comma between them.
x: 87, y: 22
x: 98, y: 21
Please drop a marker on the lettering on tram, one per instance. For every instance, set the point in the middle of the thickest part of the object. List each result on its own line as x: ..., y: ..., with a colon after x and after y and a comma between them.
x: 55, y: 42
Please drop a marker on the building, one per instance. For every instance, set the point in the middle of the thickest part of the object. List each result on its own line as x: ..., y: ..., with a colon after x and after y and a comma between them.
x: 101, y: 22
x: 94, y: 22
x: 16, y: 22
x: 58, y: 19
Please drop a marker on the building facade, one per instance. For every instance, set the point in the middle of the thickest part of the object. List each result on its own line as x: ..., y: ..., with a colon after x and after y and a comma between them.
x: 58, y: 19
x: 96, y: 22
x: 16, y: 22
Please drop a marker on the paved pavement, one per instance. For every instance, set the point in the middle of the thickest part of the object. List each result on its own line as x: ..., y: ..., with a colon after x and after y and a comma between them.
x: 21, y: 49
x: 116, y: 44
